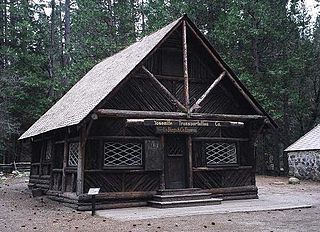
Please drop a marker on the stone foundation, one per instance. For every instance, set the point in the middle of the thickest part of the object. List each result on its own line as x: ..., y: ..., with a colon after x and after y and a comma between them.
x: 304, y: 164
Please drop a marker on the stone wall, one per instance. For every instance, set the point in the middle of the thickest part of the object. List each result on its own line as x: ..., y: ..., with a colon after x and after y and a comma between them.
x: 304, y: 164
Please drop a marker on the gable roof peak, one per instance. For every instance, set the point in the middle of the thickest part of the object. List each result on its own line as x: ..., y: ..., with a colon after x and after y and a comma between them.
x: 103, y: 78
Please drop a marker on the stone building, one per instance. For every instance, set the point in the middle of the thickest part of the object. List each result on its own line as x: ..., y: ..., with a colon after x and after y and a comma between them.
x: 304, y: 156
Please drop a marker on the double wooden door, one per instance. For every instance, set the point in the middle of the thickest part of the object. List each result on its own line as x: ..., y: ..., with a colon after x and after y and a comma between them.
x: 175, y: 162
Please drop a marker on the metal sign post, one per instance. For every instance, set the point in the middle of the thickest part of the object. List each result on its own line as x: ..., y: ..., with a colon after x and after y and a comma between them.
x: 93, y: 192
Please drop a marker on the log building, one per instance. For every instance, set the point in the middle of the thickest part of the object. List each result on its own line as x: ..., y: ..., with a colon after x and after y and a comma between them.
x: 163, y: 115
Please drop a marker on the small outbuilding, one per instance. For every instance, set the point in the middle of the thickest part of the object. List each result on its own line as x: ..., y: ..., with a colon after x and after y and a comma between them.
x: 165, y: 116
x: 304, y: 156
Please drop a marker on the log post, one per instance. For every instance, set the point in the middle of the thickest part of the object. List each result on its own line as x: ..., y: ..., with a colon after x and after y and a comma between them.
x: 190, y: 171
x: 42, y: 155
x: 65, y: 161
x: 81, y: 161
x: 185, y: 64
x: 162, y: 178
x: 52, y: 158
x: 84, y: 133
x: 252, y: 143
x: 252, y: 153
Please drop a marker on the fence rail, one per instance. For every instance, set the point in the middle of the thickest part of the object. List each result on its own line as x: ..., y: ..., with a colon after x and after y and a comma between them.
x: 20, y: 166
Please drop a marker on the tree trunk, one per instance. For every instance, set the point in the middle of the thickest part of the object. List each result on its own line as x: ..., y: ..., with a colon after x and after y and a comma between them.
x: 3, y: 15
x: 143, y: 23
x: 61, y: 30
x: 254, y: 42
x: 67, y: 32
x: 51, y: 50
x: 286, y: 130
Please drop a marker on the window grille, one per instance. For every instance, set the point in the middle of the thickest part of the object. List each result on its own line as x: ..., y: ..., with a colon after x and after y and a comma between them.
x: 221, y: 153
x: 48, y: 153
x: 122, y: 154
x: 74, y: 150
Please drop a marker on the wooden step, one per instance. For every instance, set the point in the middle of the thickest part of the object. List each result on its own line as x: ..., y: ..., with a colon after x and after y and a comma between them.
x: 182, y: 197
x: 177, y: 191
x: 187, y: 203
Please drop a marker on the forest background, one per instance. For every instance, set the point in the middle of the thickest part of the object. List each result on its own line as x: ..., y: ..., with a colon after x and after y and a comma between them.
x: 273, y: 46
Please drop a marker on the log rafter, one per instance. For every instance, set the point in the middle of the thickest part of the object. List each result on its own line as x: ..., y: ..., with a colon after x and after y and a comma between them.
x: 197, y: 104
x: 164, y: 90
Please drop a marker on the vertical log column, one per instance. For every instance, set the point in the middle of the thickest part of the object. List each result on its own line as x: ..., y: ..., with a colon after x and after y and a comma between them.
x: 42, y: 155
x: 65, y: 161
x: 81, y: 161
x: 52, y: 159
x: 185, y: 65
x: 252, y: 150
x: 255, y: 130
x: 187, y: 100
x: 162, y: 178
x: 190, y: 171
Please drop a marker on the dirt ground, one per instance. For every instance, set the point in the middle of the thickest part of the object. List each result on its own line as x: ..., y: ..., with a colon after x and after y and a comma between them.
x: 20, y: 212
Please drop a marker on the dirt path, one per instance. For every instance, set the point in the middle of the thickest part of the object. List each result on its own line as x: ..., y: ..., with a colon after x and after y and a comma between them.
x: 20, y: 212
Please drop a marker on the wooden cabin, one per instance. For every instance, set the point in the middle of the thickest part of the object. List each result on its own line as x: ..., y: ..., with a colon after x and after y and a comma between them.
x: 164, y: 114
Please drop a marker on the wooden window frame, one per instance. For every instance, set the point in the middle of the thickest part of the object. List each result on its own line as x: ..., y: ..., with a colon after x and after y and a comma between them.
x: 124, y: 167
x: 204, y: 155
x: 68, y: 164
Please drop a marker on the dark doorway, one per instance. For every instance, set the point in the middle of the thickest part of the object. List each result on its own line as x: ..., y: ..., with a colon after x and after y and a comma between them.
x: 175, y: 162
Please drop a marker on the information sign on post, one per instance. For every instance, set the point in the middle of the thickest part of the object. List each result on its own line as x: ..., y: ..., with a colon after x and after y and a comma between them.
x: 93, y: 192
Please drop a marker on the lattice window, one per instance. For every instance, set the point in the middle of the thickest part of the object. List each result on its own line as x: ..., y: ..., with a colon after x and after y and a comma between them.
x: 122, y: 154
x: 221, y: 153
x: 74, y: 150
x: 48, y: 153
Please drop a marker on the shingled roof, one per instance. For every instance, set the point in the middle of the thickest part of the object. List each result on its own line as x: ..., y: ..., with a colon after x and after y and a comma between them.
x: 102, y: 79
x: 310, y: 141
x: 90, y: 90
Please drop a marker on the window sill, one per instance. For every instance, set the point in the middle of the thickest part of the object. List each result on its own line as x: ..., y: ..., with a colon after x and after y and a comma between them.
x: 220, y: 167
x: 122, y: 168
x: 105, y: 170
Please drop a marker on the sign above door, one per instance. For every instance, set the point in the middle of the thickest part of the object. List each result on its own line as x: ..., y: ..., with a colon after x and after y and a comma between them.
x: 183, y: 123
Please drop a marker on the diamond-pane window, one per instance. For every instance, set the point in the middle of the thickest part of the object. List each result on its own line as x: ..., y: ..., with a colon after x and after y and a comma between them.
x: 221, y: 153
x: 122, y: 154
x: 73, y: 154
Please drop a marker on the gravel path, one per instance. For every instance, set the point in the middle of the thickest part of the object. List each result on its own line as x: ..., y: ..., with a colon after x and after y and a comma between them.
x: 20, y: 212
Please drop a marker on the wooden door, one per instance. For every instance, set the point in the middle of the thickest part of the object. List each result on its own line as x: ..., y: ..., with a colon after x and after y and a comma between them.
x: 175, y: 162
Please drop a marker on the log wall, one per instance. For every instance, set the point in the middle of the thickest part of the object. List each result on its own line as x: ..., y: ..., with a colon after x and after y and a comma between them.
x: 223, y: 177
x: 133, y: 181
